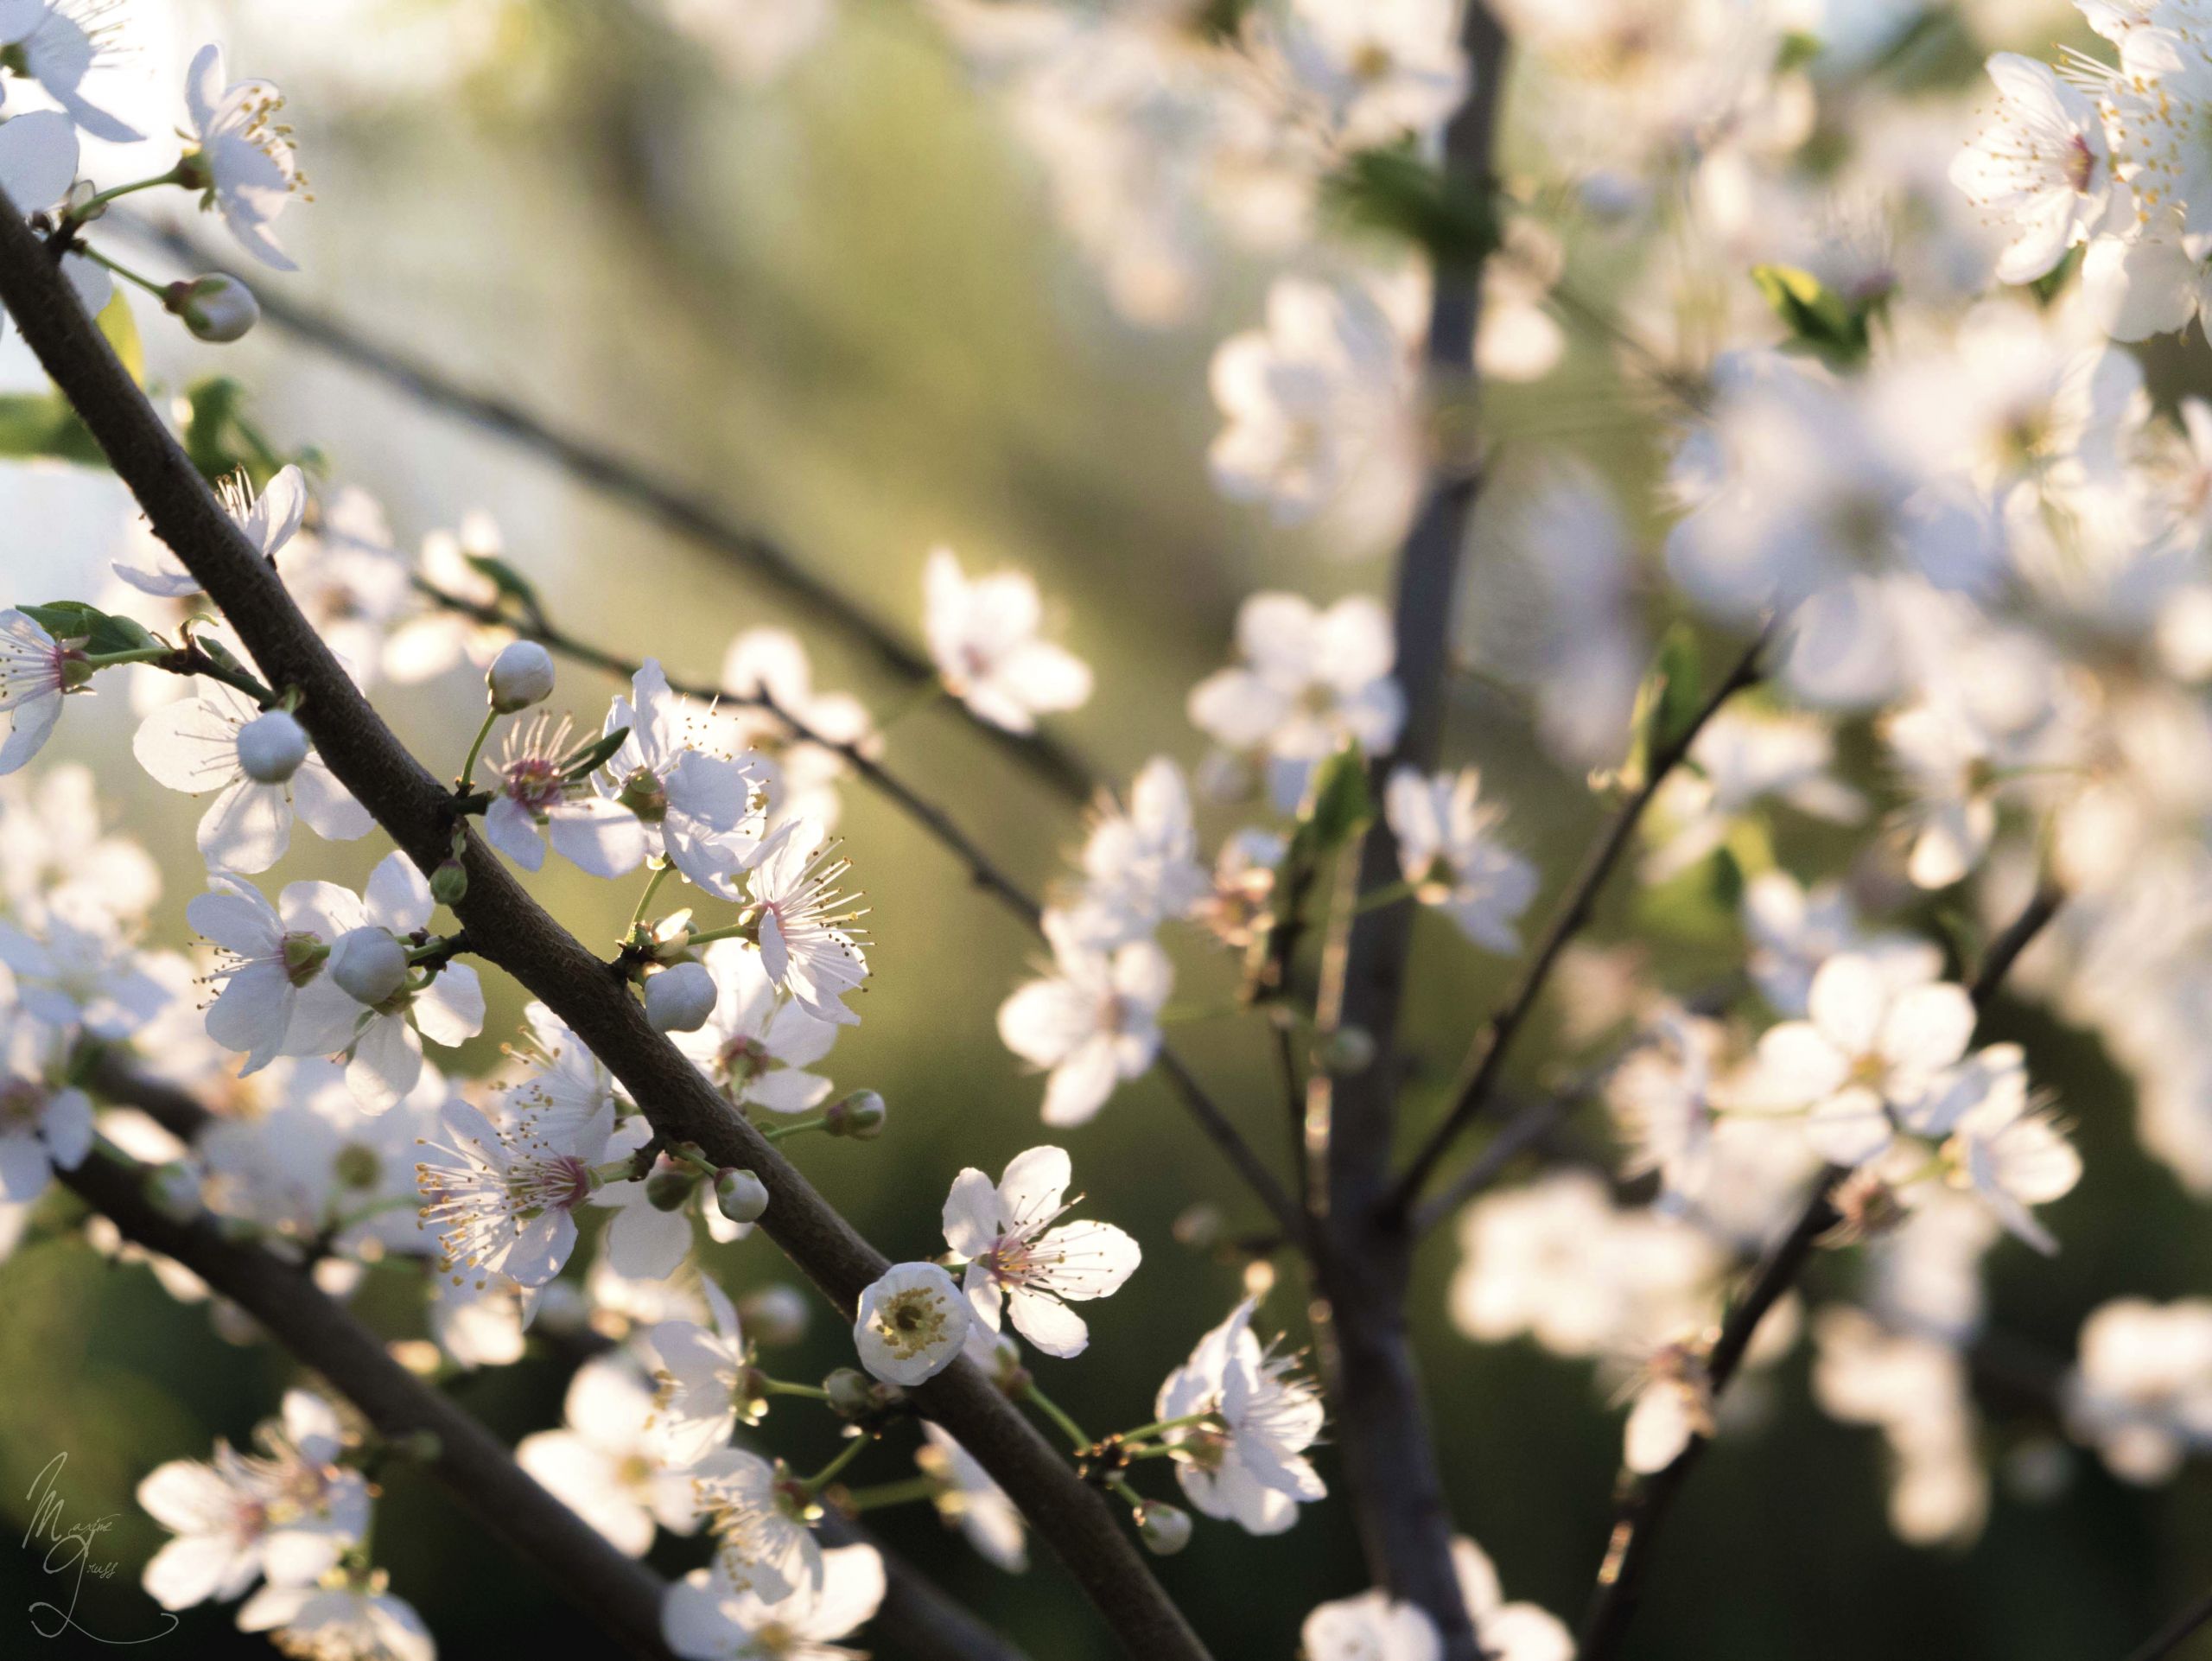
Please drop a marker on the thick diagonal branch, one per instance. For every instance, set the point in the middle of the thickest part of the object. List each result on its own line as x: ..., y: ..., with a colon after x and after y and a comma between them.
x: 513, y: 931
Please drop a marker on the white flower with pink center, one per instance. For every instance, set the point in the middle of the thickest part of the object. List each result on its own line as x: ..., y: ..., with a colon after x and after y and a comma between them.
x: 1019, y: 1265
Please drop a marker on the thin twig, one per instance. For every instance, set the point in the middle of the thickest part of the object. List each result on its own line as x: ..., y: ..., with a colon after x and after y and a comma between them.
x: 1647, y: 1502
x: 684, y: 510
x: 1485, y: 1061
x: 513, y: 931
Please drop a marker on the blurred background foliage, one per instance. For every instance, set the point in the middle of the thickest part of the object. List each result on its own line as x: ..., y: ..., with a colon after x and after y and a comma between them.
x: 842, y: 308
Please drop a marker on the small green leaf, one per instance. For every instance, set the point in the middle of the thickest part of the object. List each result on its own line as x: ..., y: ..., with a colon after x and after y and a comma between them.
x: 122, y: 331
x: 504, y: 576
x: 1666, y: 703
x: 41, y: 425
x: 72, y: 619
x: 589, y: 759
x: 1819, y: 319
x: 1395, y: 191
x: 1799, y: 47
x: 1340, y: 805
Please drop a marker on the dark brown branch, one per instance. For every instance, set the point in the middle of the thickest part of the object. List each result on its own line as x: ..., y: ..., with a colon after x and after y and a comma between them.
x: 982, y: 871
x: 514, y: 932
x: 687, y: 512
x: 1647, y: 1502
x: 1485, y: 1062
x: 619, y: 1594
x: 2176, y: 1632
x: 1363, y: 1250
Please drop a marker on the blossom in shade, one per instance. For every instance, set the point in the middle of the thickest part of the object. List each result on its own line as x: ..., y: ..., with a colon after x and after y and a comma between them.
x: 701, y: 1388
x: 708, y: 1616
x: 762, y: 1519
x: 1247, y: 1463
x: 502, y: 1198
x: 984, y: 635
x: 967, y: 1498
x: 704, y: 813
x: 356, y: 1621
x: 49, y: 44
x: 1449, y: 850
x: 1372, y: 1626
x: 604, y: 1462
x: 1505, y: 1632
x: 1021, y: 1267
x: 275, y: 998
x: 757, y: 1044
x: 912, y: 1323
x: 35, y: 669
x: 811, y: 946
x: 269, y: 522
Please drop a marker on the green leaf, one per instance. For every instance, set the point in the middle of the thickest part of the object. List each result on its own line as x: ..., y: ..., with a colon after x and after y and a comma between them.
x: 42, y: 425
x: 1799, y: 47
x: 1666, y: 703
x: 589, y: 759
x: 72, y: 619
x: 220, y: 438
x: 1394, y: 191
x: 1340, y: 804
x: 509, y: 581
x: 1819, y: 319
x: 122, y: 331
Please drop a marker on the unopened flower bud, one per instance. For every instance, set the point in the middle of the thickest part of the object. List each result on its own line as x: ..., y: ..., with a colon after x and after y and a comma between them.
x: 272, y: 747
x: 740, y: 1196
x: 774, y: 1315
x: 449, y: 882
x: 852, y: 1392
x: 680, y: 997
x: 1165, y: 1529
x: 667, y: 1188
x: 369, y: 965
x: 214, y: 307
x: 1347, y: 1051
x: 859, y: 1116
x: 520, y: 675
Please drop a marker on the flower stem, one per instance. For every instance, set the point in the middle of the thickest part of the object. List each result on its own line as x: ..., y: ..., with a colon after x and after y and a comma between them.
x: 1388, y: 895
x: 778, y: 1132
x: 468, y: 767
x: 822, y: 1478
x: 652, y: 888
x: 1158, y: 1425
x: 741, y: 930
x: 158, y: 290
x: 1073, y: 1430
x: 892, y: 1493
x: 85, y: 210
x: 779, y: 1387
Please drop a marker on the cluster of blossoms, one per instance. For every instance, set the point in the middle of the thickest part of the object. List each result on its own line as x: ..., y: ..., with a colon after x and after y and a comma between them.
x: 1905, y: 453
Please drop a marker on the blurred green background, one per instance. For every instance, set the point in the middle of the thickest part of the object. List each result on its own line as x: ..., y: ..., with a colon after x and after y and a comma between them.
x: 840, y: 305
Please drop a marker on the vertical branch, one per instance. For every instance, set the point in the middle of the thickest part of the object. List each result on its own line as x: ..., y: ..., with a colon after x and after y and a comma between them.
x: 1365, y: 1251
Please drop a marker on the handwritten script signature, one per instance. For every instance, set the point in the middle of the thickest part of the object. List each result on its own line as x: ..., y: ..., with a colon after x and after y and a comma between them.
x: 67, y: 1549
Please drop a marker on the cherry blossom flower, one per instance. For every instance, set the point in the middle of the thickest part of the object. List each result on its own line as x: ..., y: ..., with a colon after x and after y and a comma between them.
x: 983, y: 637
x: 50, y: 44
x: 1093, y: 1020
x: 438, y: 636
x: 970, y: 1500
x: 1449, y: 851
x: 809, y: 946
x: 276, y: 998
x: 757, y: 1044
x: 385, y: 1058
x: 912, y: 1323
x: 2008, y: 1153
x: 38, y: 167
x: 241, y: 160
x: 701, y: 1388
x: 79, y: 969
x: 771, y: 662
x: 270, y: 522
x: 1318, y: 407
x: 705, y: 814
x: 2040, y: 167
x: 44, y: 1127
x: 604, y: 1463
x: 1739, y: 759
x: 1385, y: 70
x: 35, y: 669
x: 58, y: 852
x: 502, y: 1198
x: 1019, y: 1265
x: 537, y: 801
x: 1915, y: 1389
x: 1373, y: 1626
x: 356, y: 1618
x: 1866, y: 1049
x: 2141, y: 1390
x: 762, y: 1519
x: 1248, y: 1465
x: 203, y: 743
x: 1139, y: 864
x: 1505, y: 1632
x: 707, y: 1616
x: 1311, y: 680
x: 285, y: 1514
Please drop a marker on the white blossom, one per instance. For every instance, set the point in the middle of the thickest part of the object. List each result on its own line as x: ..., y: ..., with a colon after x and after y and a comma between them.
x: 983, y: 636
x: 1019, y: 1265
x: 1247, y: 1463
x: 1093, y: 1020
x: 912, y: 1323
